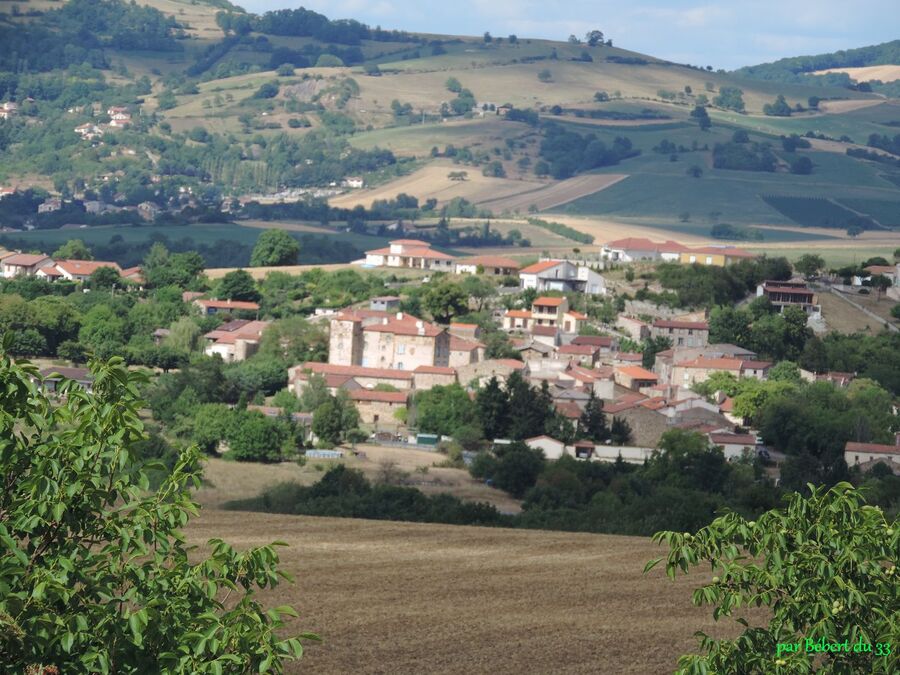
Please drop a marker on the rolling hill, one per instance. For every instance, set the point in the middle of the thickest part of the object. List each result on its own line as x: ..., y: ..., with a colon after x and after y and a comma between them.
x: 243, y: 104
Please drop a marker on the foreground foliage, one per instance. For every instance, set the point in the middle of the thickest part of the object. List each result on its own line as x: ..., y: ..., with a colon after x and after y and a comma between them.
x: 95, y: 574
x: 826, y: 567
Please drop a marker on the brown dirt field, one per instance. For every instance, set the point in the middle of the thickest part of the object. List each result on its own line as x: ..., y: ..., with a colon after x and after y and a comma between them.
x: 420, y: 598
x: 548, y: 196
x: 286, y: 225
x: 887, y: 73
x: 841, y: 148
x: 843, y: 317
x: 837, y: 107
x: 431, y: 182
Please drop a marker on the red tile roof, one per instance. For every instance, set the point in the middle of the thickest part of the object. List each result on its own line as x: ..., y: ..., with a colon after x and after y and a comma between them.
x: 568, y: 409
x: 511, y: 363
x: 518, y: 314
x: 637, y: 373
x: 578, y: 316
x: 548, y: 302
x: 355, y: 371
x: 546, y: 331
x: 426, y: 253
x: 539, y: 267
x: 435, y: 370
x: 378, y: 396
x: 711, y: 363
x: 408, y: 325
x: 458, y: 344
x: 629, y: 356
x: 25, y: 259
x: 411, y: 242
x: 84, y: 267
x: 581, y: 350
x: 596, y: 340
x: 877, y: 448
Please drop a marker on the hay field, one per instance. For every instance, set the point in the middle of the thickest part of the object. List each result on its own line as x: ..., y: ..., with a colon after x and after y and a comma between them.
x: 885, y: 73
x: 420, y: 598
x: 605, y: 230
x: 432, y: 182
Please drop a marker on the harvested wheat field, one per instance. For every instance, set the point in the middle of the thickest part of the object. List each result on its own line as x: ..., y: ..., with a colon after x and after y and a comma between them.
x: 885, y: 73
x: 607, y: 230
x: 554, y: 194
x: 418, y: 598
x: 432, y: 181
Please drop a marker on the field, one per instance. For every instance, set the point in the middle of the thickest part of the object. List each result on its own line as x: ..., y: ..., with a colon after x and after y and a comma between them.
x: 865, y: 73
x: 885, y: 212
x: 843, y: 317
x: 812, y: 212
x: 422, y: 598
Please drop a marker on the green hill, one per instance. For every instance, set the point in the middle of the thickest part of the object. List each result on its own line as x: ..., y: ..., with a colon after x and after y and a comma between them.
x: 226, y: 103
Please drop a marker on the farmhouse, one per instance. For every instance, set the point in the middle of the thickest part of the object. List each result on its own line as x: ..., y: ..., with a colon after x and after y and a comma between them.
x: 24, y: 264
x: 866, y: 455
x: 210, y: 307
x: 377, y: 406
x: 375, y: 339
x: 546, y: 312
x: 562, y: 275
x: 719, y: 256
x: 235, y: 340
x: 734, y: 445
x: 681, y: 333
x: 688, y: 373
x: 635, y: 377
x: 491, y: 265
x: 788, y: 294
x: 410, y: 253
x: 634, y: 249
x: 347, y: 377
x: 81, y: 270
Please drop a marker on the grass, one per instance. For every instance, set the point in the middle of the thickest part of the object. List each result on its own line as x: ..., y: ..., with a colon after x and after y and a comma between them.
x: 811, y: 211
x: 885, y: 212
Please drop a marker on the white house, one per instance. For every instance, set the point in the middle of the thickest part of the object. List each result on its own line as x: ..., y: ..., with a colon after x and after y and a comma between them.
x: 24, y: 264
x: 410, y: 253
x: 235, y: 340
x: 493, y: 265
x: 353, y: 182
x: 81, y: 270
x: 866, y: 455
x: 734, y: 445
x: 633, y: 249
x: 562, y: 275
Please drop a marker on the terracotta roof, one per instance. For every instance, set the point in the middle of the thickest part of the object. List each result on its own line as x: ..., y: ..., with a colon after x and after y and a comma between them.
x: 378, y: 396
x: 426, y: 253
x: 637, y: 373
x: 727, y: 405
x: 458, y: 344
x: 755, y: 365
x: 711, y: 363
x: 518, y: 314
x: 548, y: 302
x: 654, y: 403
x: 881, y: 269
x: 568, y: 409
x: 547, y: 331
x: 84, y: 267
x: 25, y: 259
x: 436, y: 370
x: 411, y: 242
x: 50, y: 271
x: 511, y: 363
x: 582, y: 350
x: 694, y: 325
x: 355, y: 371
x: 878, y: 448
x: 577, y: 315
x: 131, y: 272
x: 379, y: 251
x: 227, y: 304
x: 408, y: 325
x: 539, y: 267
x: 595, y: 340
x: 733, y: 439
x: 490, y: 261
x: 466, y: 326
x: 629, y: 356
x: 789, y: 289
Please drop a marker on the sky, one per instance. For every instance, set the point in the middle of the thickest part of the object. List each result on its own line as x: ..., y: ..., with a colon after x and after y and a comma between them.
x: 724, y: 34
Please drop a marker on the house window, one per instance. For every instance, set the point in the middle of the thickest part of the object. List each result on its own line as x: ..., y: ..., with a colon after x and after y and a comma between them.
x: 401, y: 349
x: 690, y: 331
x: 680, y: 341
x: 693, y: 258
x: 374, y: 418
x: 709, y: 260
x: 400, y: 365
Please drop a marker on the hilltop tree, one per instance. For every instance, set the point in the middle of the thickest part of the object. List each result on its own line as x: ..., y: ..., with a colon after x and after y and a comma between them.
x: 594, y: 38
x: 825, y: 567
x: 273, y: 248
x: 74, y: 249
x: 81, y: 527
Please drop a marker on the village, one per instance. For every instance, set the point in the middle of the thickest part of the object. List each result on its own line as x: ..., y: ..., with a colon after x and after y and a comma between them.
x: 380, y: 357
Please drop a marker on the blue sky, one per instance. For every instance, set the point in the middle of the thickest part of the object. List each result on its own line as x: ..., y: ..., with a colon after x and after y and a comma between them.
x: 724, y: 34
